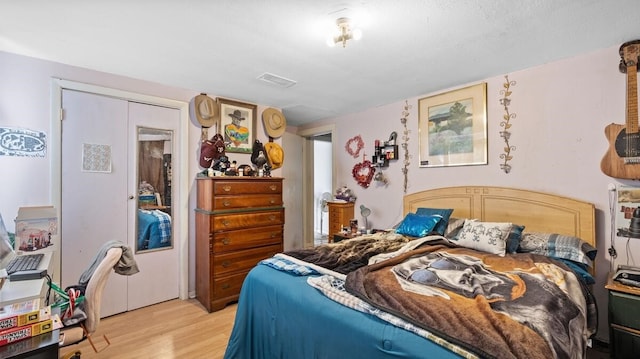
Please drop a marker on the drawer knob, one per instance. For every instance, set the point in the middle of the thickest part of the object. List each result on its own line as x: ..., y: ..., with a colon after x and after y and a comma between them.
x: 226, y: 264
x: 226, y: 286
x: 274, y: 234
x: 225, y: 223
x: 225, y: 241
x: 226, y: 188
x: 272, y: 218
x: 226, y: 203
x: 273, y: 187
x: 272, y: 201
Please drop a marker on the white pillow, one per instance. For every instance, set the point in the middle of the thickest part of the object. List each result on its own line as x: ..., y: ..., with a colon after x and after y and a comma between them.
x: 488, y: 237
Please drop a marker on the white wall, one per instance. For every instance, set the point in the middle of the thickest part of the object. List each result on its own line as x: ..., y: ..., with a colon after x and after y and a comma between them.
x: 561, y: 111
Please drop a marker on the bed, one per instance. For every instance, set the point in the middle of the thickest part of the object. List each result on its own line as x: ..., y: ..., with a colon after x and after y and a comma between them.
x: 154, y: 229
x: 301, y: 304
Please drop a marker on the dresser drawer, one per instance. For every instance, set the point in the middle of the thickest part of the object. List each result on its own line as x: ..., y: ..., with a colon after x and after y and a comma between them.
x: 247, y: 201
x: 624, y: 309
x: 225, y: 286
x: 626, y: 344
x: 230, y: 262
x: 227, y: 222
x: 246, y: 238
x: 247, y: 187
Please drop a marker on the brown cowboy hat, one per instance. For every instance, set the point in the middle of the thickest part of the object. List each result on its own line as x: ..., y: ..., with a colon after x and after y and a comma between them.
x: 274, y: 122
x: 275, y: 154
x: 205, y: 110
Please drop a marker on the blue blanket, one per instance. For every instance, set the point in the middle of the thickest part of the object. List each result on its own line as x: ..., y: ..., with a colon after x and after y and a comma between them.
x: 280, y: 316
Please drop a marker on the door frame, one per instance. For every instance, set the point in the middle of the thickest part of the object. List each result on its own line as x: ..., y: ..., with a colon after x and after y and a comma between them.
x: 308, y: 197
x: 181, y: 229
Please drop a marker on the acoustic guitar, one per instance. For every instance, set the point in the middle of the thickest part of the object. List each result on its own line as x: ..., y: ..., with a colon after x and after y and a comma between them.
x: 622, y: 160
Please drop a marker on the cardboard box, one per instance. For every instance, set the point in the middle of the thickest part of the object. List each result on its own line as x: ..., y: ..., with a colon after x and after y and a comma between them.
x: 35, y: 228
x: 21, y: 314
x: 27, y: 331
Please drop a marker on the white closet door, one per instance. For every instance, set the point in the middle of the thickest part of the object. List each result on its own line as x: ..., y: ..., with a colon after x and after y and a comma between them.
x: 99, y: 196
x: 158, y: 280
x: 94, y: 187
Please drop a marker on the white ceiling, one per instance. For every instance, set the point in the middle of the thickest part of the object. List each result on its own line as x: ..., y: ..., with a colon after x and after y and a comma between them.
x: 409, y: 47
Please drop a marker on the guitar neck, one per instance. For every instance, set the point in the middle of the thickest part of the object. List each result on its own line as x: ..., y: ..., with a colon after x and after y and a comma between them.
x: 632, y: 99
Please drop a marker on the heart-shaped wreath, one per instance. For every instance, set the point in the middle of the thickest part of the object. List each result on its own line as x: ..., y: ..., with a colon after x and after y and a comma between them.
x: 354, y: 146
x: 363, y: 173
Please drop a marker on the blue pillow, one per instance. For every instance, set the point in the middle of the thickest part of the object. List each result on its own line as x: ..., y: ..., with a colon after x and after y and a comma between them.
x: 415, y: 225
x: 444, y: 212
x: 515, y: 236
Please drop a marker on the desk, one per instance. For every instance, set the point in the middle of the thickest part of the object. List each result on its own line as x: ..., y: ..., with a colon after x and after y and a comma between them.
x: 44, y: 346
x: 19, y: 291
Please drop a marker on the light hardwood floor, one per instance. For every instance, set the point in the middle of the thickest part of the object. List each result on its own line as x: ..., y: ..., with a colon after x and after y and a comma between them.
x: 173, y: 329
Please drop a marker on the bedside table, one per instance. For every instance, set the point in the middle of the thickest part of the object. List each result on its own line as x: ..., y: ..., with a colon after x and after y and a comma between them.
x: 339, y: 215
x: 624, y: 320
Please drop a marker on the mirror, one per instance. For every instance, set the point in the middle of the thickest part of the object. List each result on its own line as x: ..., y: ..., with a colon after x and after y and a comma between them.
x: 154, y: 230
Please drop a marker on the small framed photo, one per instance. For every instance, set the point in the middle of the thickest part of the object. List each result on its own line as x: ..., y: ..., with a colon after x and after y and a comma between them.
x: 453, y: 128
x: 237, y: 125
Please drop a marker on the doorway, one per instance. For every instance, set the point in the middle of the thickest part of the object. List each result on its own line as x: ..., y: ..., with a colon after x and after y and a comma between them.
x: 124, y: 145
x: 318, y: 167
x: 322, y: 185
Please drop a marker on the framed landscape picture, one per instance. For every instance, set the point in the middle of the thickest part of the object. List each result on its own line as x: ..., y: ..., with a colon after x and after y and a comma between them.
x: 453, y: 127
x: 237, y: 125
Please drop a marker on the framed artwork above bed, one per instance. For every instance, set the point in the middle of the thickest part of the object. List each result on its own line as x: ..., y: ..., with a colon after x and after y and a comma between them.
x: 453, y: 127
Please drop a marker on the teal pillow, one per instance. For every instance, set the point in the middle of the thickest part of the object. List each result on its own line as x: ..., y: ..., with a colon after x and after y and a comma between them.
x: 441, y: 227
x: 415, y: 225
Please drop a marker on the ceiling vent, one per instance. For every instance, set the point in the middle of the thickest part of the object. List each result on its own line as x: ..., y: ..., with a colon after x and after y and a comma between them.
x: 276, y: 80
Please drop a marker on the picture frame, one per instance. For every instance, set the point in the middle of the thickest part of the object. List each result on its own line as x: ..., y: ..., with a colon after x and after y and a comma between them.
x: 453, y: 127
x: 237, y: 125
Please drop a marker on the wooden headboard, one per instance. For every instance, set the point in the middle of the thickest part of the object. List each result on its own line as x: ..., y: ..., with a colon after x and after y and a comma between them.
x: 537, y: 211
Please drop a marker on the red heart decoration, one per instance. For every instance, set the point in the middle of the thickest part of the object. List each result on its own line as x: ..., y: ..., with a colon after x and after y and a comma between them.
x: 354, y: 145
x: 363, y: 173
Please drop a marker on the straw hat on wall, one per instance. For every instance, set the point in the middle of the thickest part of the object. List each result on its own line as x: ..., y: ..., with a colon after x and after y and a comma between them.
x: 274, y: 122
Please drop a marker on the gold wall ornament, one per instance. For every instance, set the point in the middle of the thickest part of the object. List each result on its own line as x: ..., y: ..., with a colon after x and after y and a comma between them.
x: 505, y: 101
x: 405, y: 142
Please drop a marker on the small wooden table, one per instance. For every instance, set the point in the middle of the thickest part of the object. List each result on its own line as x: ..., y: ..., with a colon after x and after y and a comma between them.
x: 624, y: 319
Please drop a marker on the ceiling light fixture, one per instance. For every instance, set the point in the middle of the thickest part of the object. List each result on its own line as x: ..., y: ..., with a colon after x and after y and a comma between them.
x: 345, y: 32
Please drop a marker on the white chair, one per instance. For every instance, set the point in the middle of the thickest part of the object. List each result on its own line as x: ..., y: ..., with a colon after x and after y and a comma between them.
x: 93, y: 298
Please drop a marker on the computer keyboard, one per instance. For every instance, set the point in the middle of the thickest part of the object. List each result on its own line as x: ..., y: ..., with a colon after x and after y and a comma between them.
x: 24, y: 262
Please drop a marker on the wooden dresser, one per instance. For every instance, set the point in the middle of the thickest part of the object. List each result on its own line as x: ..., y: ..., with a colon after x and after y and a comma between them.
x: 239, y: 221
x: 340, y: 214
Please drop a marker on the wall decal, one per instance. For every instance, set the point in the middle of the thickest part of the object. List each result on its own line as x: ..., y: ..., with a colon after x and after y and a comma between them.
x: 22, y: 142
x: 405, y: 142
x: 506, y: 124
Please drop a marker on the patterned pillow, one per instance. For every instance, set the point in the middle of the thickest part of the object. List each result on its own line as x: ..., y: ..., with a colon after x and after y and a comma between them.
x: 415, y: 225
x: 488, y: 237
x: 558, y: 246
x: 444, y: 212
